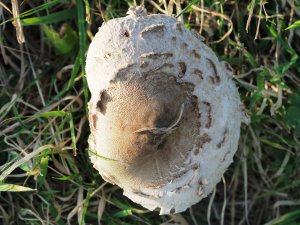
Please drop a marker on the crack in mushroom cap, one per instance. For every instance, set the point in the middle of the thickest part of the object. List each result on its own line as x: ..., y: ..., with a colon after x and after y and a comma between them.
x: 164, y: 112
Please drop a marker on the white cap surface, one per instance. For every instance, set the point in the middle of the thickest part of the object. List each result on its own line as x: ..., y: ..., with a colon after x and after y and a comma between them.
x: 164, y: 111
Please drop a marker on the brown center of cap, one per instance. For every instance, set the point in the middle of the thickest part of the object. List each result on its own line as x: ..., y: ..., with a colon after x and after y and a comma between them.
x: 148, y: 124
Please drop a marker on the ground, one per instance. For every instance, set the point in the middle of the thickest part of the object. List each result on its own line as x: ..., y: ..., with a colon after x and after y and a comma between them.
x: 45, y: 173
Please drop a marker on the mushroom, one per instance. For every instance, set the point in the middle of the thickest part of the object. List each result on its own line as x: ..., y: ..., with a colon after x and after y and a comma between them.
x: 164, y: 112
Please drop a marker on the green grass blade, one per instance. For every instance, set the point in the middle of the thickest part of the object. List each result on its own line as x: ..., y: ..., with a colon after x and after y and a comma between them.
x: 123, y: 213
x: 52, y: 18
x: 39, y: 8
x: 287, y: 219
x: 275, y: 191
x: 58, y: 113
x: 120, y: 204
x: 14, y: 188
x: 85, y: 205
x: 45, y: 6
x: 71, y: 177
x: 83, y: 46
x: 187, y: 8
x: 43, y: 167
x: 73, y: 136
x: 101, y: 157
x: 283, y: 42
x: 294, y: 25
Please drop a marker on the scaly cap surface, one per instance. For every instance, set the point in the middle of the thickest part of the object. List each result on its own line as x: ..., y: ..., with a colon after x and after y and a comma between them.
x: 163, y: 109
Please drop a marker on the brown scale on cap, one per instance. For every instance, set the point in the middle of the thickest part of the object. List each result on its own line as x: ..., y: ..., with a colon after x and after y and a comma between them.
x: 157, y: 29
x: 215, y: 78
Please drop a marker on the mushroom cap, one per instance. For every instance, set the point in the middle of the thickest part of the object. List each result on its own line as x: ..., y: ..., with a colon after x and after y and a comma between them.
x: 164, y: 113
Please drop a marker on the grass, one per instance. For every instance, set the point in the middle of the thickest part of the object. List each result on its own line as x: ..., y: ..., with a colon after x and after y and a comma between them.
x: 45, y: 173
